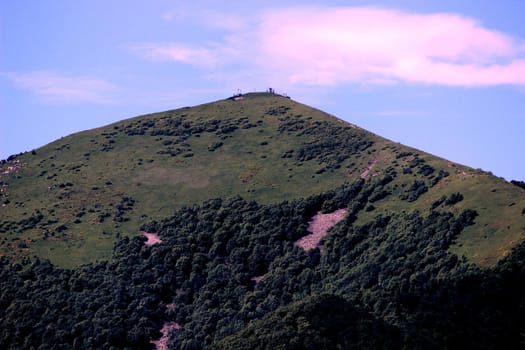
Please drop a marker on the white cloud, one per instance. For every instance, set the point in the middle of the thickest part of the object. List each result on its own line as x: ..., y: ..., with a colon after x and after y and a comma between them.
x: 53, y: 87
x: 177, y: 52
x: 365, y: 45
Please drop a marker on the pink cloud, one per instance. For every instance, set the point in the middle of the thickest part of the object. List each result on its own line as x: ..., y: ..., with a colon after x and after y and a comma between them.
x: 366, y: 45
x: 57, y: 88
x: 370, y: 45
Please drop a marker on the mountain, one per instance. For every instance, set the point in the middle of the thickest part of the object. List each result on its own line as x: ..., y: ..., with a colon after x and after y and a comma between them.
x: 424, y: 251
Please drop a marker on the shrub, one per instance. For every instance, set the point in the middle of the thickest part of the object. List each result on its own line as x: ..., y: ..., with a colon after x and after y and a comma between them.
x: 520, y: 184
x: 214, y: 146
x: 413, y: 193
x: 454, y: 198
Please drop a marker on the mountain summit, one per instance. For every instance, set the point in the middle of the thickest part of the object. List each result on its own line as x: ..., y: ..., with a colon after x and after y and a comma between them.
x: 210, y: 226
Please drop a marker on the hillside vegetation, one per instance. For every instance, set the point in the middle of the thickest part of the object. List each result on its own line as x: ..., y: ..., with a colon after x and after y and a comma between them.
x: 228, y: 275
x: 71, y: 200
x: 424, y: 254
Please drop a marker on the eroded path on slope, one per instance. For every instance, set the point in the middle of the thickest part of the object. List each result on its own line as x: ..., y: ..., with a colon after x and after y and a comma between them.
x: 319, y: 226
x: 153, y: 238
x: 162, y: 343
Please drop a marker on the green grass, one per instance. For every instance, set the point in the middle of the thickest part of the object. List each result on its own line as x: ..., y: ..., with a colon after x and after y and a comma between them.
x: 80, y: 178
x: 249, y: 164
x: 500, y: 224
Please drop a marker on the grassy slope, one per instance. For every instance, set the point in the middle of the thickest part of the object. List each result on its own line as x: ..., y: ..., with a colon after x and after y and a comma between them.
x: 82, y: 180
x: 500, y: 224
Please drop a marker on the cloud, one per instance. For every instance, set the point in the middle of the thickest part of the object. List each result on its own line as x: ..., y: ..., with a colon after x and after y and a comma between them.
x: 53, y: 87
x: 375, y: 45
x: 177, y: 52
x: 189, y: 14
x: 364, y: 45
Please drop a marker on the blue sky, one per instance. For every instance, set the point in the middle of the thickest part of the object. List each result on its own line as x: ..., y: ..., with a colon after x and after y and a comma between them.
x: 447, y: 77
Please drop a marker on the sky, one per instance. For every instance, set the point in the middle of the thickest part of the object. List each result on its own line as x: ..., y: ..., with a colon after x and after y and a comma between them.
x: 443, y: 76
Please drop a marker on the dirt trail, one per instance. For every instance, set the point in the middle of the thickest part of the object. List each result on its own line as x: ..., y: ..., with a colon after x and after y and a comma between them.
x: 153, y: 238
x: 319, y: 226
x: 162, y: 343
x: 365, y: 172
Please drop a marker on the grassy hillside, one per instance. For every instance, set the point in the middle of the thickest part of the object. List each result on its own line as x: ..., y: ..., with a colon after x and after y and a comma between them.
x: 69, y: 201
x: 427, y: 255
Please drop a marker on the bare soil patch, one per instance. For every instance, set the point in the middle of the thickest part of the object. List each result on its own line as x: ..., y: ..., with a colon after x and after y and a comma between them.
x: 319, y: 226
x: 257, y: 279
x: 153, y: 238
x: 162, y: 343
x: 365, y: 172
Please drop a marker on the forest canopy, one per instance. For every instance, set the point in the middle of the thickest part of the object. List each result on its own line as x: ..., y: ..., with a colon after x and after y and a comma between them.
x: 228, y: 274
